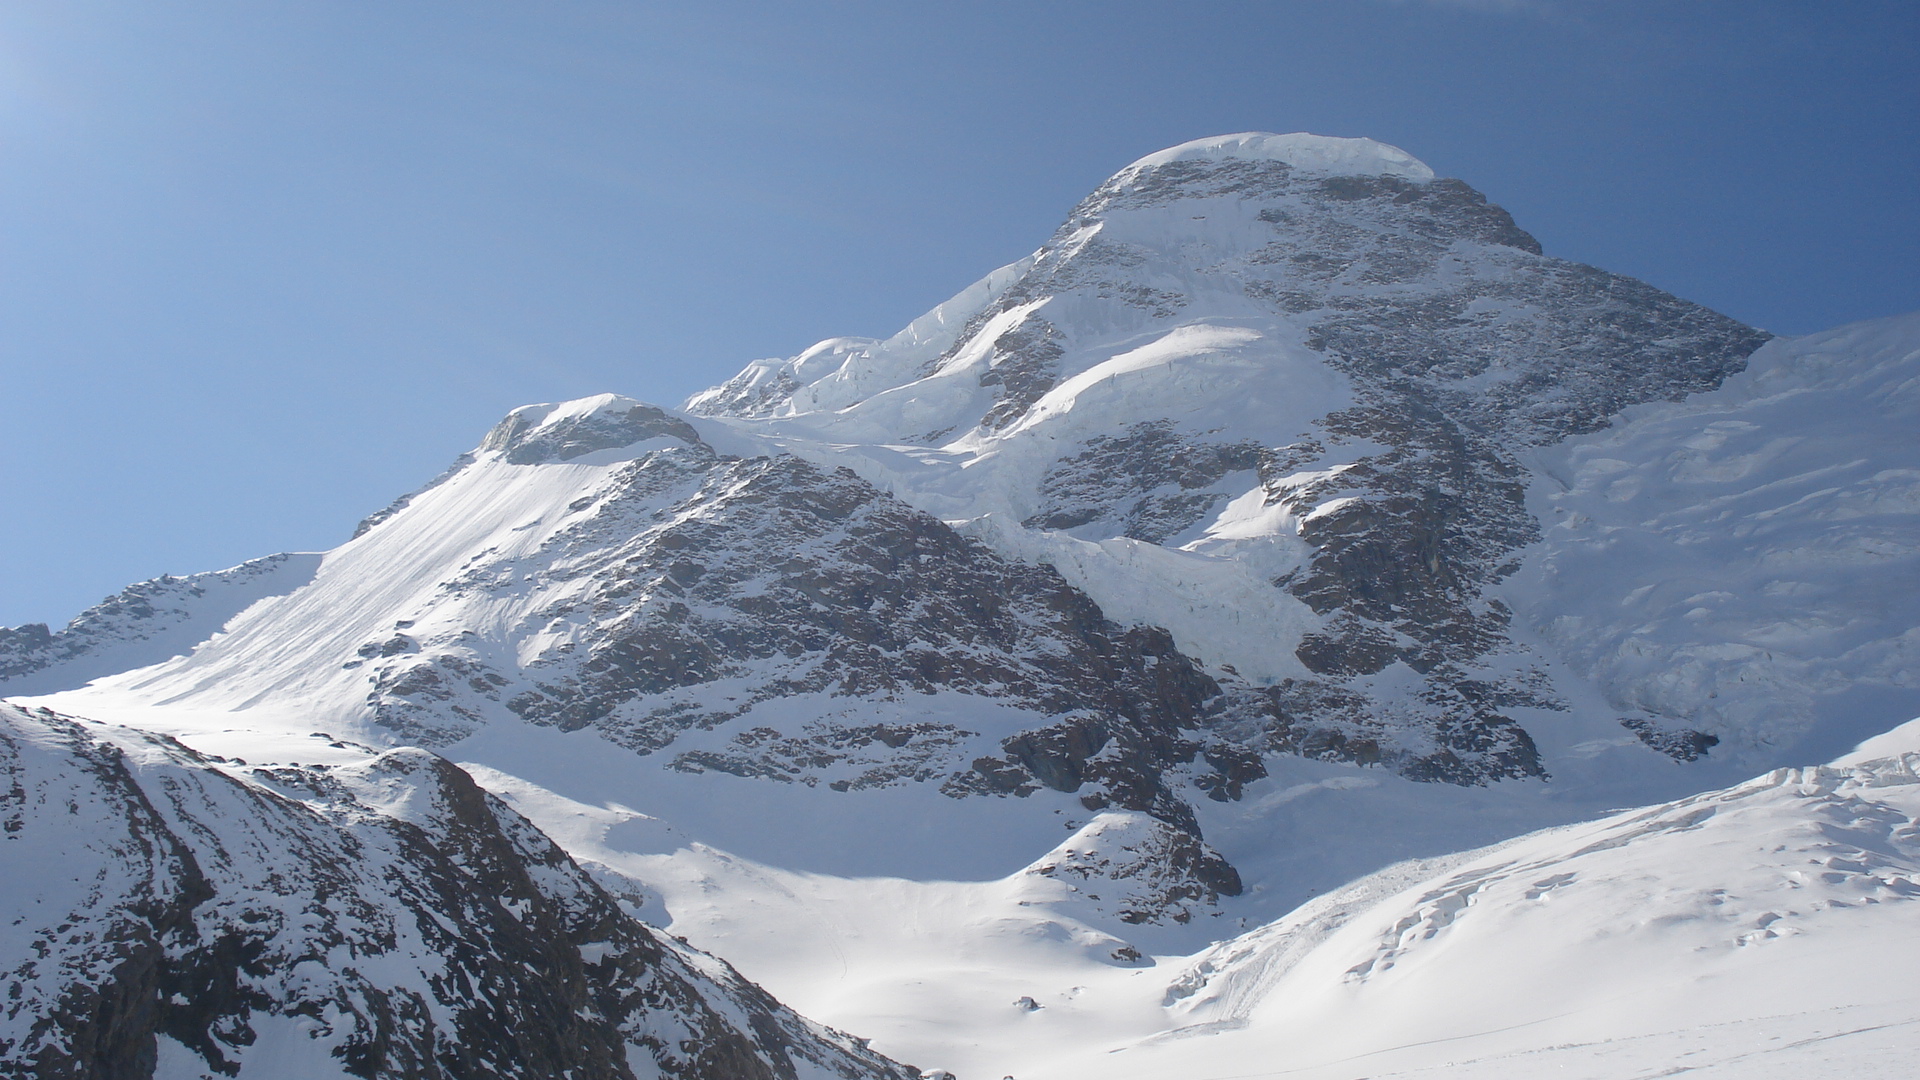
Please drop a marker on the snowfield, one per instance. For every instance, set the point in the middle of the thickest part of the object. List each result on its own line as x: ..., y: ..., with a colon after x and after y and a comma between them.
x: 1757, y: 930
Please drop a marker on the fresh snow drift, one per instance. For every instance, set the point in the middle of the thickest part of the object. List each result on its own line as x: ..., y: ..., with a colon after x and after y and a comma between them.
x: 1089, y: 679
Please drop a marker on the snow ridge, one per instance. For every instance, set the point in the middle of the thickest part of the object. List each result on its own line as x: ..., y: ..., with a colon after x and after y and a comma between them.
x: 1308, y: 153
x: 147, y: 623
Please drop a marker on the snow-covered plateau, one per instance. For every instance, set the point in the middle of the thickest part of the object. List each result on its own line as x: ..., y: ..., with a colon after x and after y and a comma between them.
x: 1217, y: 645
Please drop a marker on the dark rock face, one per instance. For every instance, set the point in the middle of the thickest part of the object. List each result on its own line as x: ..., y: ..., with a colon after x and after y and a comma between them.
x: 1140, y: 870
x: 1453, y: 388
x: 1678, y: 744
x: 85, y: 996
x: 1402, y: 570
x: 24, y: 648
x: 1151, y: 483
x: 209, y: 902
x: 1022, y: 370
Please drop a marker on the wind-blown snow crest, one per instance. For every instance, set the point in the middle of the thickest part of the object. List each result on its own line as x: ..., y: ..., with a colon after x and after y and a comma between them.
x: 1310, y: 153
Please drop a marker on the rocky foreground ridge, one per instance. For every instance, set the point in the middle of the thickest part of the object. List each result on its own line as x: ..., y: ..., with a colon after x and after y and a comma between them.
x: 385, y: 918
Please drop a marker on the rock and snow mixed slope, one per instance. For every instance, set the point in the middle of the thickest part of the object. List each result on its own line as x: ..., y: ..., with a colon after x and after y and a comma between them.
x: 1287, y: 514
x: 179, y: 916
x: 143, y: 624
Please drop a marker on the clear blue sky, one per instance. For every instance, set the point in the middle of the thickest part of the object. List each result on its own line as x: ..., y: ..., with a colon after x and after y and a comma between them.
x: 264, y: 266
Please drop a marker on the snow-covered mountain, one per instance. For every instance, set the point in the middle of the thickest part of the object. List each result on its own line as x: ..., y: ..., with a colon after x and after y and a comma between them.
x: 1287, y: 515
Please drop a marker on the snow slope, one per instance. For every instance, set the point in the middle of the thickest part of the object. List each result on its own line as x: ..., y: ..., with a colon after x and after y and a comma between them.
x: 1764, y: 929
x: 1768, y: 929
x: 1746, y: 563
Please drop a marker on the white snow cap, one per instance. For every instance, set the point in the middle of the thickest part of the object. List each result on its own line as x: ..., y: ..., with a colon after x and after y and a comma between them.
x: 549, y: 415
x: 1312, y: 153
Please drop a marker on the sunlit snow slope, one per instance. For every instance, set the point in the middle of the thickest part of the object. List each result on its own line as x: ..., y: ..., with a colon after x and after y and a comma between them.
x: 1768, y: 929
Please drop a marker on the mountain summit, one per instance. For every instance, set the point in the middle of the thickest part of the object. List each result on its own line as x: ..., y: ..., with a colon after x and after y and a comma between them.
x: 1314, y: 369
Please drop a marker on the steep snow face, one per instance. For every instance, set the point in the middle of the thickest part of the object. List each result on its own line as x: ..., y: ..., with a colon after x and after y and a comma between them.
x: 1740, y: 565
x: 378, y: 915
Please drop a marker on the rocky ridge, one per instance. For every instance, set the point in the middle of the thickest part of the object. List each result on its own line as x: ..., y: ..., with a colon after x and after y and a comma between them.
x: 688, y: 587
x: 381, y: 917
